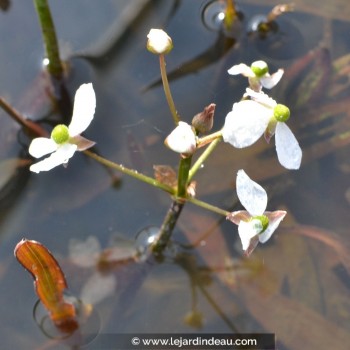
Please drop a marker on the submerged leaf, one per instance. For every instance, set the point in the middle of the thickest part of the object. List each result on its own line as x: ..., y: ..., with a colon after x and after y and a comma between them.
x: 49, y: 283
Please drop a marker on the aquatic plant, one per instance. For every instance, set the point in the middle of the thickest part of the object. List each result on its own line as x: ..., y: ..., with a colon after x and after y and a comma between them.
x: 251, y: 117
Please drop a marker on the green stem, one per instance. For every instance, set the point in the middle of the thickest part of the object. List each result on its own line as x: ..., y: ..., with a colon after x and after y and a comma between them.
x: 203, y: 141
x: 175, y: 209
x: 203, y: 157
x: 208, y: 206
x: 130, y: 172
x: 167, y: 91
x: 182, y: 181
x: 54, y: 66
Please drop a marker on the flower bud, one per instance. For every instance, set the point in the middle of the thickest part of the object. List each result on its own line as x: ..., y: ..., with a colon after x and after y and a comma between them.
x: 259, y: 68
x: 203, y: 122
x: 281, y: 113
x: 60, y: 134
x: 159, y: 42
x: 182, y: 139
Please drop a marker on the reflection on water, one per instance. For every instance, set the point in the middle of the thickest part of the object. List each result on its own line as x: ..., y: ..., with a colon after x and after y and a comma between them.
x: 290, y: 286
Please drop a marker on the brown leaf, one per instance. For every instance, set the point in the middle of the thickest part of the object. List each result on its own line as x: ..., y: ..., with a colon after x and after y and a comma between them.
x: 49, y: 283
x: 165, y: 174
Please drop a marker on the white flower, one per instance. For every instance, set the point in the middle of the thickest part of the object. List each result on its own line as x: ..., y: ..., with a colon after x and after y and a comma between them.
x: 258, y: 75
x: 249, y: 119
x: 159, y: 42
x: 182, y: 139
x: 64, y: 141
x: 254, y: 225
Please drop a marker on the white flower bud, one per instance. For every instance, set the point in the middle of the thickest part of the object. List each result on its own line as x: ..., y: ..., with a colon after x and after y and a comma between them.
x: 182, y: 139
x: 159, y: 42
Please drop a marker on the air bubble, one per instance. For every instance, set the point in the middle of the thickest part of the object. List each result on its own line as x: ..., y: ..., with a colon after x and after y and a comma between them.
x: 89, y: 323
x: 255, y: 22
x: 213, y: 17
x: 144, y: 240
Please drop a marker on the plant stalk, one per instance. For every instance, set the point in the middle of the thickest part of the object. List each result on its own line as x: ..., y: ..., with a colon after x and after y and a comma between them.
x: 230, y: 14
x: 130, y: 172
x: 54, y: 65
x: 167, y: 227
x: 182, y: 181
x: 202, y: 158
x: 167, y: 91
x: 27, y: 124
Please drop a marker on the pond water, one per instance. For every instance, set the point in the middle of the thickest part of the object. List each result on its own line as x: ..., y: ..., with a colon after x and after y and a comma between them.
x: 297, y: 285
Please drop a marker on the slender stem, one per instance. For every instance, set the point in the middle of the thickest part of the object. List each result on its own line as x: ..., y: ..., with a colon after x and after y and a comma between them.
x: 230, y: 14
x: 203, y: 141
x: 130, y: 172
x: 203, y: 157
x: 167, y: 227
x: 182, y: 182
x: 167, y: 91
x: 54, y: 66
x: 175, y: 209
x: 15, y: 115
x: 208, y: 206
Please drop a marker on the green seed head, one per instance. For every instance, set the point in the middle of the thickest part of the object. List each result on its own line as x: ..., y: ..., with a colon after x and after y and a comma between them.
x: 259, y: 68
x: 60, y: 134
x: 264, y: 220
x: 281, y: 113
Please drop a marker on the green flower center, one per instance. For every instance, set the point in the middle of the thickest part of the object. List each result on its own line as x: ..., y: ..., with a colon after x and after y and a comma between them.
x: 281, y: 113
x: 60, y: 134
x: 259, y: 68
x: 264, y: 220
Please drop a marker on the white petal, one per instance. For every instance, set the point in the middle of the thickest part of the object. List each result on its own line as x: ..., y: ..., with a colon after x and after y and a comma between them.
x: 288, y: 150
x: 262, y: 98
x: 241, y: 69
x: 246, y: 233
x: 269, y: 81
x: 41, y: 146
x: 182, y: 139
x: 248, y: 230
x: 84, y: 109
x: 274, y: 220
x: 245, y: 124
x: 61, y: 156
x: 252, y: 196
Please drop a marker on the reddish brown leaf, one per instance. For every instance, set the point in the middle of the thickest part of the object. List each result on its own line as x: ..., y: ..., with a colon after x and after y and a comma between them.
x: 49, y: 283
x: 165, y: 174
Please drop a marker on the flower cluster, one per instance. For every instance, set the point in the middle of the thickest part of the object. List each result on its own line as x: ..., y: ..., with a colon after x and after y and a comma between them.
x: 255, y: 115
x: 259, y: 114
